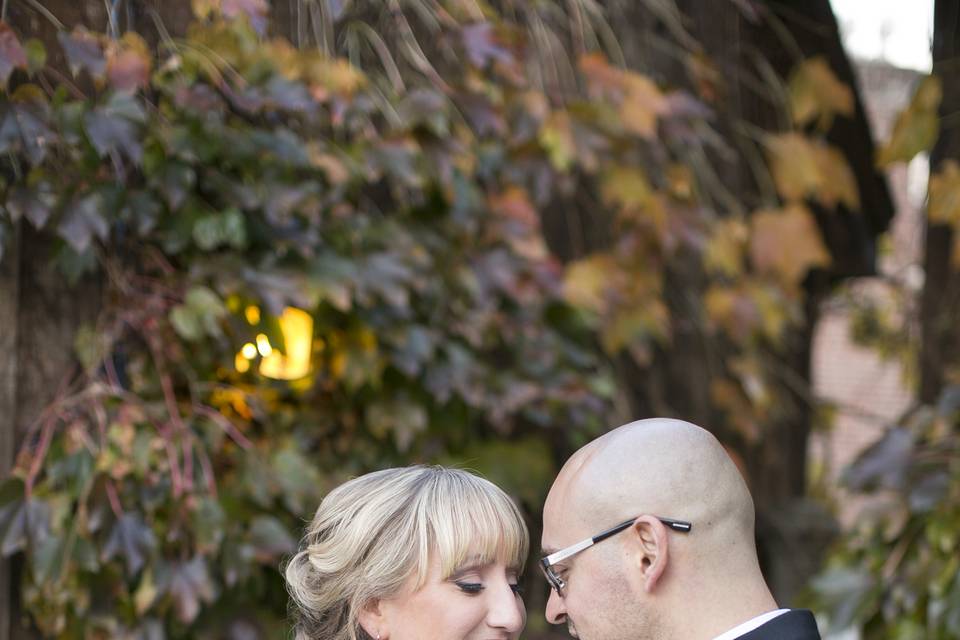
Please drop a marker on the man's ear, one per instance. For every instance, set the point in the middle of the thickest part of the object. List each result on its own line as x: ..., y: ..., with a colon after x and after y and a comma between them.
x: 372, y: 619
x: 652, y: 550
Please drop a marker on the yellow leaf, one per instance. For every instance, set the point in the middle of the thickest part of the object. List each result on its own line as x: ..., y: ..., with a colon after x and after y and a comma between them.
x: 625, y: 186
x: 944, y: 206
x: 647, y: 321
x: 786, y: 242
x: 680, y: 182
x: 556, y: 136
x: 726, y: 247
x: 803, y: 168
x: 794, y: 164
x: 643, y: 103
x: 917, y: 127
x: 838, y: 184
x: 733, y: 310
x: 638, y: 99
x: 815, y: 92
x: 772, y: 305
x: 588, y: 280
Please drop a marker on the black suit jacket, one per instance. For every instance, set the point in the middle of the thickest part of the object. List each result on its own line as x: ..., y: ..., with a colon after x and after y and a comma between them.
x: 797, y: 624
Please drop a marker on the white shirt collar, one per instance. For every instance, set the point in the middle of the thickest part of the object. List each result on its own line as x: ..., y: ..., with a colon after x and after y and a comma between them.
x: 750, y: 625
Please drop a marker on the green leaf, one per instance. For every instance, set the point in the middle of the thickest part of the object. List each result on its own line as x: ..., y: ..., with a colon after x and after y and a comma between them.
x: 83, y: 220
x: 221, y: 229
x: 36, y: 55
x: 200, y: 314
x: 270, y: 539
x: 209, y: 524
x: 36, y: 204
x: 83, y: 51
x: 188, y: 584
x: 132, y: 540
x: 27, y: 523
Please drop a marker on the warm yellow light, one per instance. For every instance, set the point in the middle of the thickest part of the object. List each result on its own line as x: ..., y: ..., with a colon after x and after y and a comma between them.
x: 296, y: 326
x: 252, y: 314
x: 263, y: 345
x: 242, y: 363
x: 249, y: 351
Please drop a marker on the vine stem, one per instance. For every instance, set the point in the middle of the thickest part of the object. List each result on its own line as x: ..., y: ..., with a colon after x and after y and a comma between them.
x: 224, y: 423
x: 114, y: 499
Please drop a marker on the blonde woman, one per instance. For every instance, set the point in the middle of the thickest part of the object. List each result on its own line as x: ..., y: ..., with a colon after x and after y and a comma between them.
x: 415, y: 553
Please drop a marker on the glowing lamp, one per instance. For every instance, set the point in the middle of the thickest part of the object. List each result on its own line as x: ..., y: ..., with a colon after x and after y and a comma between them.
x: 296, y: 326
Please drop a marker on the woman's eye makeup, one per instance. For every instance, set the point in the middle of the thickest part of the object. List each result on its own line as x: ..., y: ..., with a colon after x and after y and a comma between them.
x: 469, y: 587
x: 516, y: 588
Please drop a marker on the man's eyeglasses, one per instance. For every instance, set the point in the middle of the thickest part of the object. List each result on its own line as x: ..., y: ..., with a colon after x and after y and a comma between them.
x: 547, y: 563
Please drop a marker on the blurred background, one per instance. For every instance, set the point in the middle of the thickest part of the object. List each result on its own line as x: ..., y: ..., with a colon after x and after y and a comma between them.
x: 251, y: 249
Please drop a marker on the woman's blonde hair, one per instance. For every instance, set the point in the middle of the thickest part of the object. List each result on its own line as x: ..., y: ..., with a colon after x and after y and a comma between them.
x: 372, y: 533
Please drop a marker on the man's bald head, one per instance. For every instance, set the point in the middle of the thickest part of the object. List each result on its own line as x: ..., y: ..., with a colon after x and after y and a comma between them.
x: 657, y: 467
x: 642, y: 582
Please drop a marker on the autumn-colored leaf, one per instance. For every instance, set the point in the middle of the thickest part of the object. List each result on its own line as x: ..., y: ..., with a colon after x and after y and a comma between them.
x: 803, y: 168
x: 944, y: 205
x: 128, y: 63
x: 12, y: 54
x: 639, y: 101
x: 556, y: 136
x: 645, y: 322
x: 603, y: 79
x: 625, y: 186
x: 335, y: 77
x: 917, y: 127
x: 732, y: 310
x: 794, y: 164
x: 817, y: 93
x: 514, y: 204
x: 643, y: 104
x: 838, y: 184
x: 787, y: 242
x: 726, y: 247
x: 587, y: 281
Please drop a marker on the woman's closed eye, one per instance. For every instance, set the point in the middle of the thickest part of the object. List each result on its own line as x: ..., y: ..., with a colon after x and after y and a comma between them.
x: 473, y: 588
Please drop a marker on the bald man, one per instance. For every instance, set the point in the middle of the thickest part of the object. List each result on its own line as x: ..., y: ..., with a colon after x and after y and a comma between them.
x: 648, y: 535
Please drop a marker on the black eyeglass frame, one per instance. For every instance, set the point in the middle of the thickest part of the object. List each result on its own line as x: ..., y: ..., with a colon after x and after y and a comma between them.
x: 547, y: 562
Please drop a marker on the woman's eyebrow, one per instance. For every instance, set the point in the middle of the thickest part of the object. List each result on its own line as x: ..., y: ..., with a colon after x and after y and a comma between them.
x: 463, y: 570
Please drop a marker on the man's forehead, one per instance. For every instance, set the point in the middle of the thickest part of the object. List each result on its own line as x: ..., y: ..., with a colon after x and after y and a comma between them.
x: 564, y: 509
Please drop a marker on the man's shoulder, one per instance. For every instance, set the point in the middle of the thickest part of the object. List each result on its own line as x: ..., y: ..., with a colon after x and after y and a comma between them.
x: 796, y: 624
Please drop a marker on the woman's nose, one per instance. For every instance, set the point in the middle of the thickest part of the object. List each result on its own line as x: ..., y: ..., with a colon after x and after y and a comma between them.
x: 506, y: 610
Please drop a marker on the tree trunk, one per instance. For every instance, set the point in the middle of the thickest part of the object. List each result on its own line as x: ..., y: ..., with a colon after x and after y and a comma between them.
x: 940, y: 301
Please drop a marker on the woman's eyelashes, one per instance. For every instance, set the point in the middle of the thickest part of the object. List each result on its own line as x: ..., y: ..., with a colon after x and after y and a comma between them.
x: 473, y: 588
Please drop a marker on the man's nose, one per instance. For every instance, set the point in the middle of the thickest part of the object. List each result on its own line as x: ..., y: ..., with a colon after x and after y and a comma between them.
x: 556, y: 612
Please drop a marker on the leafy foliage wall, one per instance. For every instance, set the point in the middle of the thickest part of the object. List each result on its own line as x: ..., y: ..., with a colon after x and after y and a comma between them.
x: 397, y: 200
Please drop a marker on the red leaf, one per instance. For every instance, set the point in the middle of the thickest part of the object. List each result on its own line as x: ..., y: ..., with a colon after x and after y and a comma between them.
x: 12, y: 55
x: 128, y: 63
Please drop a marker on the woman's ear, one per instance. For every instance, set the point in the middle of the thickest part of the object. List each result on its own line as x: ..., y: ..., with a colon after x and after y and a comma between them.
x: 652, y: 550
x: 372, y: 620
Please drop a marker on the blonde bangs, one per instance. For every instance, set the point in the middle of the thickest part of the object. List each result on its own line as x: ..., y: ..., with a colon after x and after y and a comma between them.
x: 470, y: 521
